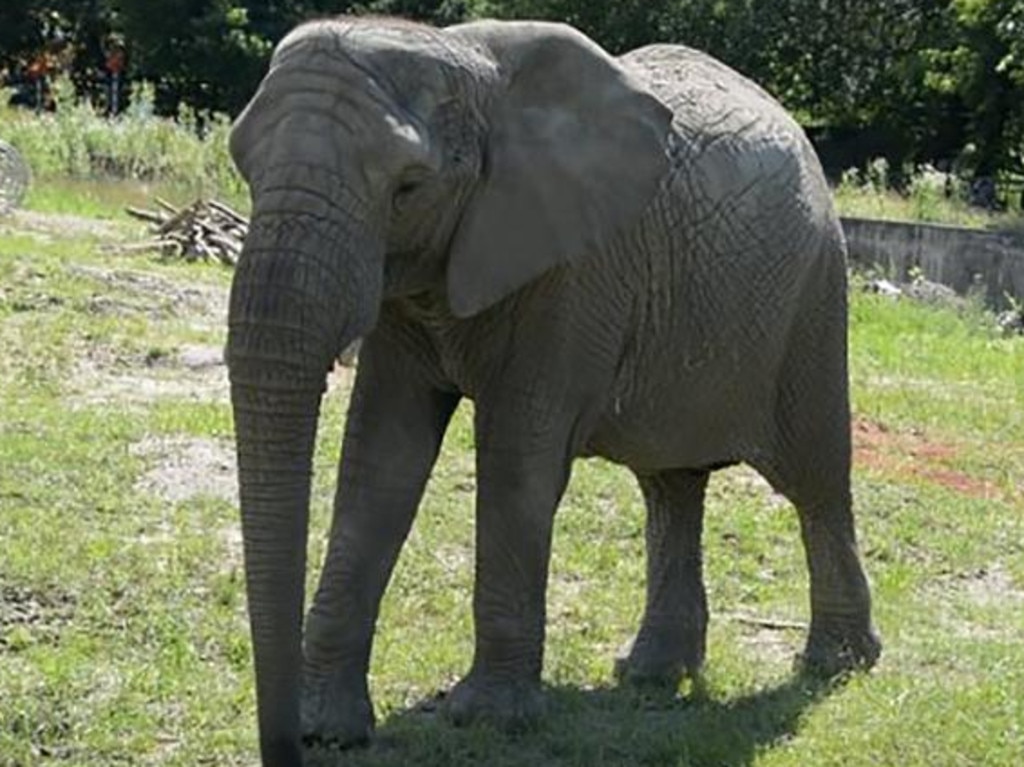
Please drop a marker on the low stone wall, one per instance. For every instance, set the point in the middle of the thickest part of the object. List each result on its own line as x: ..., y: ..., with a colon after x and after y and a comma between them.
x: 954, y: 256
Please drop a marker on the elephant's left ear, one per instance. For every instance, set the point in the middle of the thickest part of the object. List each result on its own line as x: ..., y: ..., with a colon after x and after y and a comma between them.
x: 575, y: 153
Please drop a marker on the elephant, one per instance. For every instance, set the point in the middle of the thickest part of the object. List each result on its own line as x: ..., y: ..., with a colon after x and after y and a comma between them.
x: 635, y: 258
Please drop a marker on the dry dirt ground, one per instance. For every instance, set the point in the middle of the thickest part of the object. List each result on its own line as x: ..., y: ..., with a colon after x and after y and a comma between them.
x: 51, y: 226
x: 912, y: 455
x: 180, y: 469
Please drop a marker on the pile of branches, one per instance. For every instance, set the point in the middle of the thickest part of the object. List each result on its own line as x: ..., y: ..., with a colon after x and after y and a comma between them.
x: 206, y: 230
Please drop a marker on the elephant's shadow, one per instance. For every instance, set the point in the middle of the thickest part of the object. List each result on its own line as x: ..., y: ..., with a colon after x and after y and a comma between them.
x: 604, y: 726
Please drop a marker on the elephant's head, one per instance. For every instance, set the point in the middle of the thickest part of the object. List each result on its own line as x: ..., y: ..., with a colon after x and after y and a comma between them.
x: 386, y: 159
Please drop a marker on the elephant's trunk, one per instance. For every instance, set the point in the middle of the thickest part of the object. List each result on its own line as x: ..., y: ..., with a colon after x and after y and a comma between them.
x: 305, y: 287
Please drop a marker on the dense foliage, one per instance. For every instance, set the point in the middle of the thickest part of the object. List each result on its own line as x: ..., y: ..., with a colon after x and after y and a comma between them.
x: 914, y: 80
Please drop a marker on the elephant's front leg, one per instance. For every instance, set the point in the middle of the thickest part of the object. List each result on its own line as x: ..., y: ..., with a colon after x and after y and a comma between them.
x: 395, y: 426
x: 521, y: 474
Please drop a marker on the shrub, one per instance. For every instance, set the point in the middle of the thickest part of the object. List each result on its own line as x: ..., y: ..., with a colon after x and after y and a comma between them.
x: 929, y: 195
x: 76, y: 141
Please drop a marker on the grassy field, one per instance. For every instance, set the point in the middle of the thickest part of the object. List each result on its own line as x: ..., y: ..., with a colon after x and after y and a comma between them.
x: 123, y: 636
x: 101, y: 197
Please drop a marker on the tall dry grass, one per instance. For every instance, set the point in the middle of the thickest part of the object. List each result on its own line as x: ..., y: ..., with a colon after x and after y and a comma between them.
x: 79, y: 143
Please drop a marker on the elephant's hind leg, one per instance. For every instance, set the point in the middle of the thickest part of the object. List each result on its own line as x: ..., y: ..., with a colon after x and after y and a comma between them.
x: 671, y: 640
x: 841, y: 637
x: 810, y: 464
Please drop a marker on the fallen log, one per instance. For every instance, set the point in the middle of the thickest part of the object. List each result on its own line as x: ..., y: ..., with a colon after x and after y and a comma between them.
x: 206, y: 230
x: 146, y: 215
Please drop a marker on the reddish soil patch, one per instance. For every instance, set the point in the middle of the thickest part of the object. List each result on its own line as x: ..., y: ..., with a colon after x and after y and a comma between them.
x: 912, y: 455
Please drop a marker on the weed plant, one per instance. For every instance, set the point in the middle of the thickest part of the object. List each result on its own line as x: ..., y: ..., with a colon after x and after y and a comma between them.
x: 76, y: 143
x: 929, y: 195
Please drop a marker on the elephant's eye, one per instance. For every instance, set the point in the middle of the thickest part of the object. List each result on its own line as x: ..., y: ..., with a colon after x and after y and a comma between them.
x: 404, y: 193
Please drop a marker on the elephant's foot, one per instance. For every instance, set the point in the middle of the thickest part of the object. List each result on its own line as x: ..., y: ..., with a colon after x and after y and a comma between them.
x: 510, y: 705
x: 336, y: 712
x: 836, y: 648
x: 659, y: 659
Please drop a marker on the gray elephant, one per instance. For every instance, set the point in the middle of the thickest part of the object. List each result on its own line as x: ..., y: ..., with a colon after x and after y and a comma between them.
x: 635, y: 258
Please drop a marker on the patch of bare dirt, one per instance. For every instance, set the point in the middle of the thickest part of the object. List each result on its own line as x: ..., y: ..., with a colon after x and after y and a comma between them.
x: 29, y: 616
x: 184, y: 468
x: 751, y: 483
x: 978, y: 604
x: 193, y: 372
x: 131, y: 389
x: 139, y: 292
x: 773, y: 646
x: 991, y: 585
x: 52, y: 226
x: 912, y: 455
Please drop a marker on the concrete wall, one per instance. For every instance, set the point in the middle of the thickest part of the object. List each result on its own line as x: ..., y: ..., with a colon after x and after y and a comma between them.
x: 949, y: 255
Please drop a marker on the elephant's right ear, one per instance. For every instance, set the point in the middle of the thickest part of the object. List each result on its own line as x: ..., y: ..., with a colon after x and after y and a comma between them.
x: 575, y: 153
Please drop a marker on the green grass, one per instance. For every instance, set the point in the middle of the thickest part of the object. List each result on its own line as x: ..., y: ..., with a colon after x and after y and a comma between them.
x: 123, y: 637
x: 867, y: 202
x: 107, y: 198
x: 929, y: 196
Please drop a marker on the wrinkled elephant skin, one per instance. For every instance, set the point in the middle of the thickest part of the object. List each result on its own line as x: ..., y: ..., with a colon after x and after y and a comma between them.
x: 635, y: 258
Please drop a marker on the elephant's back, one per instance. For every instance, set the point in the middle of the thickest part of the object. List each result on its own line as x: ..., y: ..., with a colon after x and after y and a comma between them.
x: 732, y: 141
x: 744, y: 178
x: 706, y: 95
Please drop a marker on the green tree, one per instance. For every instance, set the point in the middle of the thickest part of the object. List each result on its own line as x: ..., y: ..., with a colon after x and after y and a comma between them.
x: 20, y: 29
x: 70, y: 32
x: 618, y: 26
x: 211, y: 54
x: 439, y: 12
x: 203, y: 52
x: 933, y: 76
x: 982, y: 66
